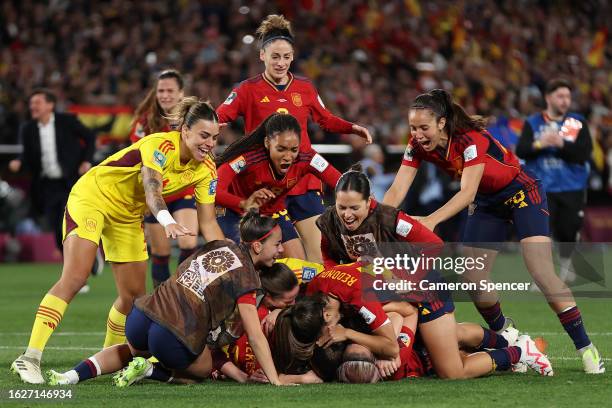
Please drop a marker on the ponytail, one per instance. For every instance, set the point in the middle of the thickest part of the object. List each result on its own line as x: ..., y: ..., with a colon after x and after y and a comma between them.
x: 192, y: 109
x: 271, y: 126
x: 441, y: 104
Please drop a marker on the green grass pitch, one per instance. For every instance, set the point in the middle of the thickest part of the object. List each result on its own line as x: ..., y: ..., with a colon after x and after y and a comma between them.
x: 81, y: 333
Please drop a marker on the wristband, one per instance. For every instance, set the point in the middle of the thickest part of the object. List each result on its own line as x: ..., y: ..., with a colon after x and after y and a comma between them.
x: 165, y: 218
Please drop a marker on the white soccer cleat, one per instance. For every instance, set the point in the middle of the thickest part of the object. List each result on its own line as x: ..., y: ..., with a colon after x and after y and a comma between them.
x: 511, y: 334
x: 55, y: 378
x: 591, y: 360
x: 28, y: 370
x: 533, y: 357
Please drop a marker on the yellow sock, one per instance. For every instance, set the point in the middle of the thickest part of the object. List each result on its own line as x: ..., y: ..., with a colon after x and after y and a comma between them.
x: 115, y: 328
x: 48, y: 317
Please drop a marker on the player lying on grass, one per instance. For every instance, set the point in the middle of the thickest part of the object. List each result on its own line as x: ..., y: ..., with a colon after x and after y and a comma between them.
x: 192, y: 309
x: 358, y: 226
x: 343, y: 286
x: 258, y: 170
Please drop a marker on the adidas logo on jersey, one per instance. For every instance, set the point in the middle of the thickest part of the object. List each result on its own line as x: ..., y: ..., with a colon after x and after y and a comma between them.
x: 265, y: 99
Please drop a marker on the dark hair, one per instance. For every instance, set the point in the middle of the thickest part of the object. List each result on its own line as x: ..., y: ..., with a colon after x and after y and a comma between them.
x: 556, y: 83
x: 46, y: 92
x: 190, y: 110
x: 253, y: 226
x: 278, y: 279
x: 442, y: 106
x: 274, y: 27
x: 325, y: 361
x: 354, y: 180
x: 155, y: 116
x: 296, y: 330
x: 273, y: 125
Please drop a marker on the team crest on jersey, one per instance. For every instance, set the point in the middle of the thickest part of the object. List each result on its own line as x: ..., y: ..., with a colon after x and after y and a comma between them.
x: 408, y: 153
x: 230, y: 98
x: 358, y: 245
x: 296, y: 98
x: 206, y: 268
x: 212, y: 188
x: 308, y: 273
x: 187, y: 176
x: 291, y: 182
x: 404, y: 338
x: 238, y: 164
x: 319, y: 163
x: 159, y: 158
x: 469, y: 153
x: 403, y: 228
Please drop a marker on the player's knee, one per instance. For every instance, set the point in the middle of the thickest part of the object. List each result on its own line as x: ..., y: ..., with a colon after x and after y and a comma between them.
x: 72, y: 283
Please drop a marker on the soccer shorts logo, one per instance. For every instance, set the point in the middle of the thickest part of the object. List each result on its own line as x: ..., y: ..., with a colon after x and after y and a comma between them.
x: 308, y: 273
x: 358, y: 245
x: 517, y: 200
x: 159, y: 158
x: 91, y: 224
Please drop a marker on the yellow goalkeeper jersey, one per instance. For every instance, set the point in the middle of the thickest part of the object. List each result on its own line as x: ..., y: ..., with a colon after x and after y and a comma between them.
x: 117, y: 182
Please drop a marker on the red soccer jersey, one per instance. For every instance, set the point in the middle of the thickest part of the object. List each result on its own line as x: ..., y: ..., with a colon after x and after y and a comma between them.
x: 257, y: 98
x: 469, y: 149
x: 344, y: 283
x: 252, y: 171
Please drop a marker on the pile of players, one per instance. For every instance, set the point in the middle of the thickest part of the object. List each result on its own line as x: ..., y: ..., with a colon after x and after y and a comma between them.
x: 222, y: 295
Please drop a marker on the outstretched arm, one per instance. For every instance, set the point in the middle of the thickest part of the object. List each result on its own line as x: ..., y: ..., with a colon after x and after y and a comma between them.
x: 153, y: 186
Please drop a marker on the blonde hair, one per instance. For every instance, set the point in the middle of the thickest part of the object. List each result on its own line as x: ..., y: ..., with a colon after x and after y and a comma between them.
x: 358, y: 372
x: 274, y: 27
x: 190, y: 110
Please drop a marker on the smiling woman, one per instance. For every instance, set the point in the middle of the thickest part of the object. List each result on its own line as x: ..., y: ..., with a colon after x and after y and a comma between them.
x: 257, y: 171
x: 108, y: 203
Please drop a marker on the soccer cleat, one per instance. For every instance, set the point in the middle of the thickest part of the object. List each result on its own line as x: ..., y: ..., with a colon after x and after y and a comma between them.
x: 533, y: 357
x: 55, y: 378
x: 591, y: 360
x: 135, y: 371
x: 28, y: 370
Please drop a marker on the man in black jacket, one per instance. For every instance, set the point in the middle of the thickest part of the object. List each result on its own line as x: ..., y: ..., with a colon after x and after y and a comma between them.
x: 57, y: 150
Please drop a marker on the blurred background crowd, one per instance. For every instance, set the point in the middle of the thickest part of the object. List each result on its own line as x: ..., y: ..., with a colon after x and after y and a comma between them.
x: 368, y: 59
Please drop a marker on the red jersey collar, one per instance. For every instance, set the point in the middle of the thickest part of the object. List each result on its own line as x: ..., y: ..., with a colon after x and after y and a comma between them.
x: 263, y: 75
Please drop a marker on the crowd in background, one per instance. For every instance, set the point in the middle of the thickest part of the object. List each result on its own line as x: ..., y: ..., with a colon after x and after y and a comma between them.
x: 369, y: 59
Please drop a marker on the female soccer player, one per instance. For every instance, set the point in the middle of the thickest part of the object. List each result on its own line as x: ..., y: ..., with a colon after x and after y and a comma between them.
x: 108, y: 203
x: 151, y: 116
x: 179, y: 321
x: 278, y: 90
x: 258, y: 170
x: 358, y: 226
x: 499, y: 192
